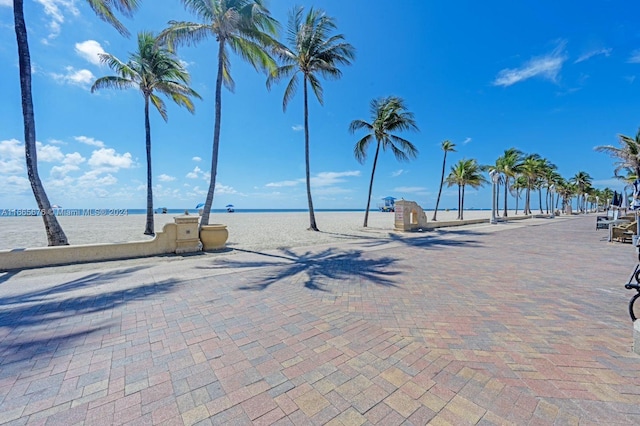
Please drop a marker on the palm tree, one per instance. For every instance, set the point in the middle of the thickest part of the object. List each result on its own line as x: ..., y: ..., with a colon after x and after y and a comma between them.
x: 153, y: 68
x: 447, y: 146
x: 628, y: 154
x: 104, y: 9
x: 387, y: 115
x: 530, y: 168
x: 519, y: 183
x: 244, y: 26
x: 546, y: 174
x: 582, y: 180
x: 463, y: 173
x: 509, y: 164
x: 312, y: 50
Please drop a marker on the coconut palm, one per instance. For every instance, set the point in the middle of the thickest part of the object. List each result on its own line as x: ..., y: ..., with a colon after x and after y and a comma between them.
x: 312, y: 51
x: 582, y: 181
x: 465, y: 173
x: 628, y: 154
x: 509, y: 164
x: 546, y: 174
x: 447, y: 146
x: 245, y: 27
x: 530, y: 169
x: 387, y: 115
x: 519, y: 184
x: 153, y: 68
x: 104, y: 9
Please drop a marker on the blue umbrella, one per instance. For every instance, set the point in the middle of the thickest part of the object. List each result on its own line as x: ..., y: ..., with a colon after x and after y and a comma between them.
x: 229, y: 205
x: 200, y: 205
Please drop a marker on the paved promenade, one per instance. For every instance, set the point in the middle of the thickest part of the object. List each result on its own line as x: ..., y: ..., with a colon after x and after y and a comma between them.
x: 503, y: 324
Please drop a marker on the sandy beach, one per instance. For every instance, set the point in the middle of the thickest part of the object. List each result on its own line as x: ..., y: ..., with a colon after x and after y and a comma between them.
x: 252, y: 231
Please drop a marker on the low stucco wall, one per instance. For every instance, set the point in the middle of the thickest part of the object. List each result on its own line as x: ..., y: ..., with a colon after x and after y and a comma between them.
x: 441, y: 224
x: 163, y: 243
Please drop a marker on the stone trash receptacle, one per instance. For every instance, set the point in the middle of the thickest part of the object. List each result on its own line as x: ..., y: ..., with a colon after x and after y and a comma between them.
x: 187, y: 240
x: 213, y: 237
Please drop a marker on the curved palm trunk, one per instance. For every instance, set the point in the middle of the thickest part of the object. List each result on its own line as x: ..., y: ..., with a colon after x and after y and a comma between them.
x: 373, y: 172
x: 517, y: 198
x: 506, y: 189
x: 312, y: 217
x: 149, y: 228
x: 462, y: 204
x: 527, y: 201
x: 444, y: 162
x: 216, y: 138
x: 55, y: 234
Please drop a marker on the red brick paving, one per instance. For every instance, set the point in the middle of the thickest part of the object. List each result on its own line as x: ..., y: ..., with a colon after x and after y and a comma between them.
x: 527, y: 325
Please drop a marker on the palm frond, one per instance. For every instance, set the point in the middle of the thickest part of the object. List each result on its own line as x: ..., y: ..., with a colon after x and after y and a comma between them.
x: 360, y: 149
x: 160, y: 106
x: 112, y: 82
x: 290, y: 91
x: 316, y: 87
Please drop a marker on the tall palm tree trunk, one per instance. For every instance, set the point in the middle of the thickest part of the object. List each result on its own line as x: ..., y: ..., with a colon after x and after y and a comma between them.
x: 149, y: 228
x: 462, y: 204
x: 459, y: 202
x: 444, y: 162
x: 312, y: 217
x: 506, y: 189
x: 540, y: 200
x: 373, y: 171
x: 216, y: 137
x: 55, y: 234
x: 517, y: 197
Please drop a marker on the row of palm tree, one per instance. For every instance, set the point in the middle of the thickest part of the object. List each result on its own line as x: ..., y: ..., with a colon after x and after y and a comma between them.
x: 312, y: 50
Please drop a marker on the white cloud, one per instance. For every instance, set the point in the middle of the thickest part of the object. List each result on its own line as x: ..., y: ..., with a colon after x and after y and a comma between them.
x: 83, y: 78
x: 284, y: 183
x: 53, y: 9
x: 73, y: 159
x: 224, y: 189
x: 89, y: 50
x: 547, y: 66
x: 48, y: 153
x: 331, y: 178
x: 466, y: 141
x: 106, y: 159
x: 56, y: 142
x: 635, y: 57
x: 591, y: 54
x: 89, y: 141
x: 197, y: 159
x: 166, y: 178
x: 11, y: 156
x: 8, y: 3
x: 297, y: 128
x: 410, y: 189
x: 195, y: 174
x: 397, y: 173
x: 69, y: 164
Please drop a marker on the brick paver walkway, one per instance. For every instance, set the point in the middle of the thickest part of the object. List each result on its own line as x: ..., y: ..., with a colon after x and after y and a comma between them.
x: 527, y: 325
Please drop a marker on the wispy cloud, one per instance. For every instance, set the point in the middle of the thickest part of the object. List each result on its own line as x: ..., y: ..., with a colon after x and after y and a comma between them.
x: 195, y: 173
x: 54, y: 10
x: 635, y: 57
x: 8, y: 3
x: 466, y: 141
x: 410, y: 189
x: 83, y: 78
x: 297, y: 128
x: 397, y: 173
x: 547, y: 66
x: 322, y: 179
x: 591, y: 54
x: 284, y: 183
x: 197, y: 159
x: 89, y: 141
x: 90, y: 50
x: 166, y: 178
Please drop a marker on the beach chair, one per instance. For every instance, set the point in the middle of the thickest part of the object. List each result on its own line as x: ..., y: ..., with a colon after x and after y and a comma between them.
x: 624, y: 233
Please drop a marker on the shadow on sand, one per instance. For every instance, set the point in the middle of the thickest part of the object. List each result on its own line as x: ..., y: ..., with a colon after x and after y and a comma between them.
x: 316, y: 267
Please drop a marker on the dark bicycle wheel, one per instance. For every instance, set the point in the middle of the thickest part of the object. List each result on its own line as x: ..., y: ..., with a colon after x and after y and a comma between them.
x: 634, y: 309
x: 637, y: 275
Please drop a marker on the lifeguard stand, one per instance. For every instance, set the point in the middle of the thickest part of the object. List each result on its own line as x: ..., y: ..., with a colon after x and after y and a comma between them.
x: 388, y: 204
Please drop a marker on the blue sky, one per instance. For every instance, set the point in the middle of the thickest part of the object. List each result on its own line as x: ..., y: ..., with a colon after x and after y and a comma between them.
x: 545, y: 77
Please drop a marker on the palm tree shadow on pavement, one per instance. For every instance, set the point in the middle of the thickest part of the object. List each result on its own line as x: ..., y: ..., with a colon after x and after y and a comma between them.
x: 433, y: 240
x: 318, y: 268
x: 44, y: 322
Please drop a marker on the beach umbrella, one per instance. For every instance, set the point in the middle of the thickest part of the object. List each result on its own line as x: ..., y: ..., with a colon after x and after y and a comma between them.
x: 636, y: 195
x: 229, y: 206
x: 55, y: 206
x: 200, y: 205
x: 624, y: 204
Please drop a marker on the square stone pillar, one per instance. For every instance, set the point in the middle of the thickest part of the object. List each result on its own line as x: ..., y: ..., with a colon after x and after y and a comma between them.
x: 187, y: 240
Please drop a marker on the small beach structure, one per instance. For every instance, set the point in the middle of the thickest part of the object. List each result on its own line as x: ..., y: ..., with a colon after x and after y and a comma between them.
x: 387, y: 205
x: 230, y: 208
